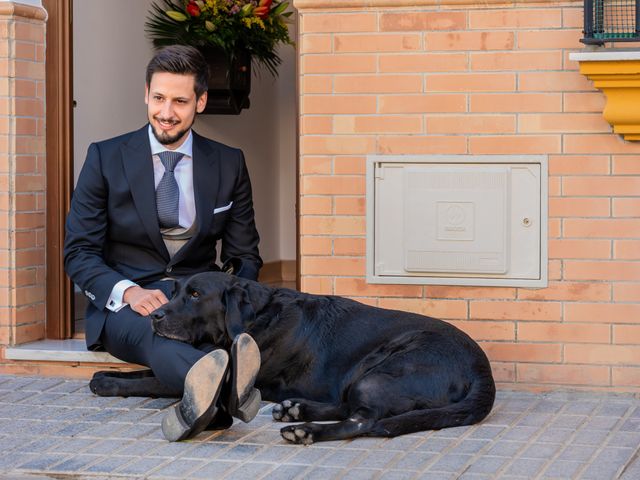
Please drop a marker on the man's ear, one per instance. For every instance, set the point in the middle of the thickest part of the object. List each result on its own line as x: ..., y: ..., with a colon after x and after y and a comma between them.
x: 146, y: 94
x: 238, y: 310
x: 201, y: 103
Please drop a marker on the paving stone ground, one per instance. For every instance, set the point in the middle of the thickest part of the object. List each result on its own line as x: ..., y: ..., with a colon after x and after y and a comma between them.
x: 56, y: 428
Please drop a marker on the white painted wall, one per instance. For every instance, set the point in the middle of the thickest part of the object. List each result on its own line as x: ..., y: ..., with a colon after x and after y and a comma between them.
x: 110, y: 56
x: 287, y: 114
x: 110, y: 53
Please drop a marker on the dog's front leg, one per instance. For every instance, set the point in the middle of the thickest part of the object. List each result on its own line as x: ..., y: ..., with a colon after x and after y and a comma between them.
x: 139, y: 383
x: 299, y: 409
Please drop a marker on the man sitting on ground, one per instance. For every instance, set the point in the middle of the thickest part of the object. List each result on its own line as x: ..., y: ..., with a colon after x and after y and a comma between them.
x: 148, y: 209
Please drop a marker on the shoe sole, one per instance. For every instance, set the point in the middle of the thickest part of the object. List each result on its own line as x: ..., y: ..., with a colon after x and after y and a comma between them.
x: 245, y: 357
x: 198, y: 405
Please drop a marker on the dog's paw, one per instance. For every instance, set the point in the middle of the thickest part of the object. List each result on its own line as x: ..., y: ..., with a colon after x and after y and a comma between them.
x: 105, y: 386
x: 286, y: 411
x: 300, y: 434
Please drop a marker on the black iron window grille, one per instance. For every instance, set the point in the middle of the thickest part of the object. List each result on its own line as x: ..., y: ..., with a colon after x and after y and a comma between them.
x: 611, y: 21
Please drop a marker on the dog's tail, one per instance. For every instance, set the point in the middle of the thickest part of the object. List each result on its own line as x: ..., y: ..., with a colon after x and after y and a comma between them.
x: 474, y: 407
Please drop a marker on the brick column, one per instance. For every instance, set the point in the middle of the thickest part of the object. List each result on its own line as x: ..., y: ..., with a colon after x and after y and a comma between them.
x: 22, y: 173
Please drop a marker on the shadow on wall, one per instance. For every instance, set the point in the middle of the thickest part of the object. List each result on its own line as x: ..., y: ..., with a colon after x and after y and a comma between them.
x: 267, y: 134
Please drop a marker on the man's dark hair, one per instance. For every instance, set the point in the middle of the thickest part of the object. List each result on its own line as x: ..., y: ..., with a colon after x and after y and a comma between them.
x: 184, y: 60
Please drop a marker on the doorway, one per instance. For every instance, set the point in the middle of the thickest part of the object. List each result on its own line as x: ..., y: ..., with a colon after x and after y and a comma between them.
x: 104, y: 97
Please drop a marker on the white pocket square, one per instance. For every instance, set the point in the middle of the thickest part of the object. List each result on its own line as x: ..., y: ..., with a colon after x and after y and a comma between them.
x: 222, y: 209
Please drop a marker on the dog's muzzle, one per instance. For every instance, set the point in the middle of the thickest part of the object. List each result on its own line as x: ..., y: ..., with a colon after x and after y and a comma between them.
x: 157, y: 317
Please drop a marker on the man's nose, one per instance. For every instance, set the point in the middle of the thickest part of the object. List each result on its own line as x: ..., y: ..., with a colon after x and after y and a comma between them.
x: 167, y: 110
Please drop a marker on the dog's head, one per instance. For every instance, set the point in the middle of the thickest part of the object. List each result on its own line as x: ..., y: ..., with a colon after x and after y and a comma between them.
x: 209, y: 307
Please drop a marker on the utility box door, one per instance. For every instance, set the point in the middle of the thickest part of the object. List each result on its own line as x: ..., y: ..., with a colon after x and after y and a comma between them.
x: 467, y: 220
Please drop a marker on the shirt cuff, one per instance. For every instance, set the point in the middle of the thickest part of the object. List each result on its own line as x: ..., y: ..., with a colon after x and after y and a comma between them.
x: 114, y: 302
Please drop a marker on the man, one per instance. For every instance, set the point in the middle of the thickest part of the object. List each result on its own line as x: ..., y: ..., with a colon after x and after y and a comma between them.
x: 148, y: 209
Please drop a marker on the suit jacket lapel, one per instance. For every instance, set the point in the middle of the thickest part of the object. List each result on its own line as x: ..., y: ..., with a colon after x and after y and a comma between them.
x: 206, y: 180
x: 138, y: 168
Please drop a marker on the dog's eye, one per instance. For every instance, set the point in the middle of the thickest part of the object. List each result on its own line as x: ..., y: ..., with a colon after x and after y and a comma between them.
x: 195, y: 294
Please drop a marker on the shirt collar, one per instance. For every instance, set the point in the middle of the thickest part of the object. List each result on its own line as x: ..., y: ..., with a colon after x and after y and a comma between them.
x: 156, y: 147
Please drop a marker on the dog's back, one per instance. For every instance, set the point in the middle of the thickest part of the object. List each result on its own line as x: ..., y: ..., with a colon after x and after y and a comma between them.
x: 317, y: 347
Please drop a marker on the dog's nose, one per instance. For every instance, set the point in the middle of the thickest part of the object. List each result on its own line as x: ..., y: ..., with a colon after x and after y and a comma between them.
x: 157, y: 314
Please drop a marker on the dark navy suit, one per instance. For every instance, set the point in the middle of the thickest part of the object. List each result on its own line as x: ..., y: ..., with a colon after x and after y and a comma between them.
x: 112, y: 233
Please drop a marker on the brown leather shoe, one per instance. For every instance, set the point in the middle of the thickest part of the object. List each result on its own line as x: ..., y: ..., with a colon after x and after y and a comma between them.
x: 198, y: 405
x: 244, y: 400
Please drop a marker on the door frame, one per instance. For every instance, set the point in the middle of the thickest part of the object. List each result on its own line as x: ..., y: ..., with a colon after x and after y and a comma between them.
x: 59, y: 163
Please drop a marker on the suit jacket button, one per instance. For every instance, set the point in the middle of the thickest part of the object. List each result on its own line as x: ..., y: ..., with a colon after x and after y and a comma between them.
x: 169, y: 269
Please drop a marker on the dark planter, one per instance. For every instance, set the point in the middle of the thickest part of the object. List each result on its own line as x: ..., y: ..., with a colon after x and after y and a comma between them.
x: 229, y: 82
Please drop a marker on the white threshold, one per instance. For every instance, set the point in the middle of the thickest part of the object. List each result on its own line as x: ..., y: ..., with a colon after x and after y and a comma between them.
x: 73, y: 350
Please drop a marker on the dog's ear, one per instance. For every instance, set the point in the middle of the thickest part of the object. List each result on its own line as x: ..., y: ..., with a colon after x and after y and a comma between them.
x: 238, y: 310
x: 258, y: 294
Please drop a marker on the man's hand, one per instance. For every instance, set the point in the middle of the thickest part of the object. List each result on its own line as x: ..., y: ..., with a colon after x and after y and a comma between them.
x: 144, y: 301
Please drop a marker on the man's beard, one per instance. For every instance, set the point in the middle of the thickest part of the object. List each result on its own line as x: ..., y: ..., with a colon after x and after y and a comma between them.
x: 166, y: 139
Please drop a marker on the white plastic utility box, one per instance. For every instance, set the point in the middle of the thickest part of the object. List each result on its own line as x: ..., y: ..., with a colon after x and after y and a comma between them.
x: 457, y: 220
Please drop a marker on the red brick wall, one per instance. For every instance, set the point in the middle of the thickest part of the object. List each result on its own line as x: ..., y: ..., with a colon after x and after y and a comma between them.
x: 22, y: 173
x: 453, y: 78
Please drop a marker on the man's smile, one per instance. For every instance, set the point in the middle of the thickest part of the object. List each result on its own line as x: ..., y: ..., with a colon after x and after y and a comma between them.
x: 166, y: 124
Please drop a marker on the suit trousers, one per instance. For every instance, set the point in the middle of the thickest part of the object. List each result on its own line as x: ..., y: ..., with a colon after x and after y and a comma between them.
x: 128, y: 336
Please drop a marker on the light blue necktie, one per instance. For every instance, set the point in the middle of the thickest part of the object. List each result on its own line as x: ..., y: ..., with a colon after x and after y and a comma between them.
x: 167, y: 193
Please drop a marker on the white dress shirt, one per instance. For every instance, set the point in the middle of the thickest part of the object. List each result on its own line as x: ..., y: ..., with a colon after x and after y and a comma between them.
x: 183, y: 173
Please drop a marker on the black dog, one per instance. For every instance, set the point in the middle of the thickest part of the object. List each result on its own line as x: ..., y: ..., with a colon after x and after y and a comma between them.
x: 378, y: 372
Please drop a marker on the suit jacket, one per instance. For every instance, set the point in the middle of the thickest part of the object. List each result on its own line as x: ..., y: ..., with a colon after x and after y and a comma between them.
x: 112, y: 230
